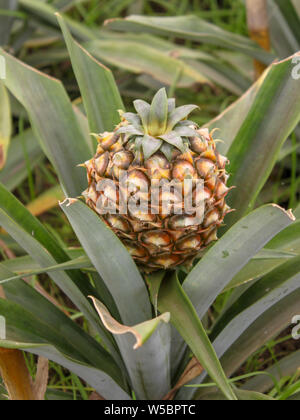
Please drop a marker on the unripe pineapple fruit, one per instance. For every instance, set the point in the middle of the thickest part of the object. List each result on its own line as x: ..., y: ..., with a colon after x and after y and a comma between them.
x: 159, y: 144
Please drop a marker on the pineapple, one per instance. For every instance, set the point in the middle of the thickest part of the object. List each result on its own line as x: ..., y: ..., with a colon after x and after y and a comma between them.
x: 159, y: 144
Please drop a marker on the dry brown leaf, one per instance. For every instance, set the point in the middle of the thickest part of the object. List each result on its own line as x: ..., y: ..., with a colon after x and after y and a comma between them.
x: 15, y: 375
x: 141, y: 332
x: 41, y: 379
x: 96, y: 397
x: 191, y: 372
x: 258, y: 25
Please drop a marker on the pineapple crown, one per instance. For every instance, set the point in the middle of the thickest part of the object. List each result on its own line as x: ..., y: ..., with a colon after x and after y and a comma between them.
x: 159, y: 126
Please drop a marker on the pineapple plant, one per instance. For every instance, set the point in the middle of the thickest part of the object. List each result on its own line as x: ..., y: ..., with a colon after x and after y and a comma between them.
x: 145, y: 337
x: 159, y: 143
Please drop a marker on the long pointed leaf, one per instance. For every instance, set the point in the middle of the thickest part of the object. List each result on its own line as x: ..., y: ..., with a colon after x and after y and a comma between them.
x: 173, y: 299
x: 252, y: 335
x: 137, y: 58
x: 232, y: 252
x: 101, y: 382
x: 242, y: 395
x: 271, y: 288
x: 283, y: 30
x: 112, y: 261
x: 99, y: 91
x: 32, y: 317
x: 192, y: 28
x: 149, y: 373
x: 5, y: 21
x: 36, y: 240
x: 178, y: 114
x: 81, y: 262
x: 289, y: 12
x: 46, y: 12
x: 148, y: 369
x: 206, y: 281
x: 149, y: 54
x: 16, y: 168
x: 158, y: 113
x: 150, y: 145
x: 230, y: 122
x: 53, y: 120
x: 272, y: 118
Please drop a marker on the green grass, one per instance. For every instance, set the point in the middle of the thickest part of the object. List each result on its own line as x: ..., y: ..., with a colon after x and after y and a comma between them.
x: 230, y: 15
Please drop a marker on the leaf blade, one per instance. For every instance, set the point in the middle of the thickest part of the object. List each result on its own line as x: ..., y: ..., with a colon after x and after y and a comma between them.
x: 192, y: 28
x: 5, y: 124
x: 158, y: 113
x: 254, y: 151
x: 206, y: 282
x: 101, y: 244
x: 53, y: 120
x: 99, y: 91
x: 6, y: 22
x: 173, y: 299
x: 15, y: 170
x: 44, y: 249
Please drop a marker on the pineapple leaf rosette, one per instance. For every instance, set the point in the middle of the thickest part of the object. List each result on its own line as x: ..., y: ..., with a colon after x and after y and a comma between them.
x: 159, y: 144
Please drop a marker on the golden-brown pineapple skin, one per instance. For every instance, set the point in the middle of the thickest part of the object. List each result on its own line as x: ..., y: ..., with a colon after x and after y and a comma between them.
x: 159, y: 238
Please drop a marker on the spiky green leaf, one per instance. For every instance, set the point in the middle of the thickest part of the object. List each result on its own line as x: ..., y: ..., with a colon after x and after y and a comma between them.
x: 134, y: 119
x: 6, y: 22
x: 150, y: 146
x: 158, y: 113
x: 97, y: 85
x: 112, y: 261
x: 173, y: 299
x: 129, y: 129
x: 53, y: 121
x: 143, y: 110
x: 179, y: 114
x: 192, y: 28
x: 167, y: 150
x: 16, y: 168
x: 175, y: 140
